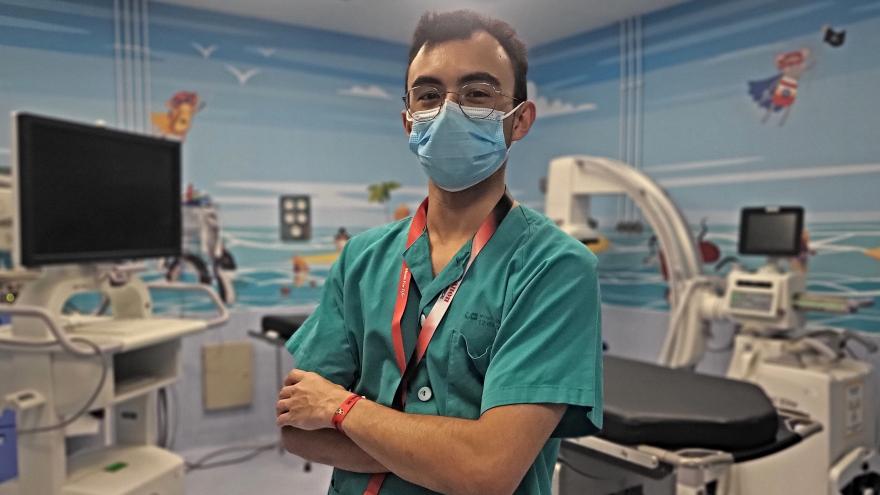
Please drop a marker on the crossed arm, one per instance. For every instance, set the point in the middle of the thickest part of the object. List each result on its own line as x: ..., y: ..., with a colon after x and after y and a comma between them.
x: 450, y: 455
x: 328, y: 446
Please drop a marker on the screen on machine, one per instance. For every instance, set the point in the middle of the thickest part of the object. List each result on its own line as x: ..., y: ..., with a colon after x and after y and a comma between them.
x: 89, y: 194
x: 771, y: 231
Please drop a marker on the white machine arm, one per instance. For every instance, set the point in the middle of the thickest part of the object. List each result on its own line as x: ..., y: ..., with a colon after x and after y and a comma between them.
x: 572, y: 180
x: 222, y: 312
x: 60, y: 336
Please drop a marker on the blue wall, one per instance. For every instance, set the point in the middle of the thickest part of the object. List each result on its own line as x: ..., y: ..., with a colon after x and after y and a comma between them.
x: 698, y: 58
x: 55, y: 58
x: 704, y: 140
x: 321, y: 116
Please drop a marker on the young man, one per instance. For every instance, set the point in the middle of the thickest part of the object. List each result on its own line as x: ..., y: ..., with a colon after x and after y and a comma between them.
x: 515, y: 354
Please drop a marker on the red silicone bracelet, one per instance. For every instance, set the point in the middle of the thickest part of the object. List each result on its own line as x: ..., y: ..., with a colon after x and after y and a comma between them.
x: 343, y: 409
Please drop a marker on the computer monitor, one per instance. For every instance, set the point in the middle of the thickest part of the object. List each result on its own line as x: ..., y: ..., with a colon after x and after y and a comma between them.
x: 88, y: 194
x: 771, y: 231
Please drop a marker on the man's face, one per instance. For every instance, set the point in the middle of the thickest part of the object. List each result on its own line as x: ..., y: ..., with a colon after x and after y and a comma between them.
x: 480, y: 58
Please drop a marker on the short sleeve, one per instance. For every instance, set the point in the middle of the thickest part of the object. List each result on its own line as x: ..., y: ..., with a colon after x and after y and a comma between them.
x: 548, y: 348
x: 323, y: 344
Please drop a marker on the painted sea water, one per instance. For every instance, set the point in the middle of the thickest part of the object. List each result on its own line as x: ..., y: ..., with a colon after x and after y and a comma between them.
x: 629, y: 276
x: 841, y: 265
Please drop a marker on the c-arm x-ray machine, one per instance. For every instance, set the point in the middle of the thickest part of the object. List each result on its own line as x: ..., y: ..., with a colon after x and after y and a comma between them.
x: 807, y: 374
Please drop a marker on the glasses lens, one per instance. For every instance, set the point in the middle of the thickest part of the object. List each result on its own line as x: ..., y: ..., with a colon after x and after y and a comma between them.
x: 424, y: 102
x: 478, y: 100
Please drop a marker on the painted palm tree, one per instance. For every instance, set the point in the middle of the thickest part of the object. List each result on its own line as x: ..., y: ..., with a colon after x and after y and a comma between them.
x: 381, y: 193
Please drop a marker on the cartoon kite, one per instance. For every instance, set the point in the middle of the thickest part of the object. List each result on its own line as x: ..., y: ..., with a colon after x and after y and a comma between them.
x: 778, y: 93
x: 182, y: 108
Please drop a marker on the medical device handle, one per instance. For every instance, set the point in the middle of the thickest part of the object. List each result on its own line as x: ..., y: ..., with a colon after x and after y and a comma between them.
x: 61, y: 337
x: 799, y: 422
x: 814, y: 345
x: 846, y: 335
x: 23, y: 400
x: 223, y: 315
x: 695, y: 458
x: 868, y: 344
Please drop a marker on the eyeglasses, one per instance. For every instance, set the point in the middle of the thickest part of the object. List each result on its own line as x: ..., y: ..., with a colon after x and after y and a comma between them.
x: 477, y: 100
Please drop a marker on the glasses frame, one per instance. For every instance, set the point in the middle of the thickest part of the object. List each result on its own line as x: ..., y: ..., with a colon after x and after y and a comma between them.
x: 409, y: 112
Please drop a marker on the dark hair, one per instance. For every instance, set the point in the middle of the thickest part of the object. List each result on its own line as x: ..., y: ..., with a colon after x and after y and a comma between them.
x: 437, y: 27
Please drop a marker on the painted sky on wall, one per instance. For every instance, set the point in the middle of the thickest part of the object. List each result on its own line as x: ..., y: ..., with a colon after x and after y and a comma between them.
x: 294, y: 109
x: 703, y: 136
x: 704, y: 140
x: 288, y: 109
x: 299, y: 110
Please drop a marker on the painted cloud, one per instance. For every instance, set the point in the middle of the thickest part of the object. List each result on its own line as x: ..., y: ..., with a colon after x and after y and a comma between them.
x: 371, y: 91
x: 555, y: 107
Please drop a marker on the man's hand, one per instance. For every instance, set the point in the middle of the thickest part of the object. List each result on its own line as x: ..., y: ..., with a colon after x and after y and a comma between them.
x: 308, y: 401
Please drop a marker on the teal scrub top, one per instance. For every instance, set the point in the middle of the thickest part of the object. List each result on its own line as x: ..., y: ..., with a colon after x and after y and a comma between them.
x: 524, y: 328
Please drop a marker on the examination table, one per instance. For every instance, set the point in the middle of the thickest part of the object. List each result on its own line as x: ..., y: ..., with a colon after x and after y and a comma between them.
x: 670, y: 431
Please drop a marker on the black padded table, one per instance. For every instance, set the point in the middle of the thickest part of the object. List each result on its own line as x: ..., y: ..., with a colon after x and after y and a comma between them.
x: 276, y: 330
x: 676, y: 409
x: 283, y: 325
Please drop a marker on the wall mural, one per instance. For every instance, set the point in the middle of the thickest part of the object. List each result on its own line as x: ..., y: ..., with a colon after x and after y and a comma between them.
x: 779, y: 92
x: 742, y: 103
x: 178, y: 118
x: 717, y: 143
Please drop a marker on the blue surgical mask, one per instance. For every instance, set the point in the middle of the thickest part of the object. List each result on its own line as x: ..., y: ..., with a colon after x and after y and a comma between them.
x: 458, y: 152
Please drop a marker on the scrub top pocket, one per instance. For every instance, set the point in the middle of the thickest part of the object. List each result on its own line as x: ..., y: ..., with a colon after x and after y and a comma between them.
x: 468, y: 362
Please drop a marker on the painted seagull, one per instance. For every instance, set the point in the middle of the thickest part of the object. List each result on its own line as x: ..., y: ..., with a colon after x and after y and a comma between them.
x: 243, y: 76
x: 205, y: 51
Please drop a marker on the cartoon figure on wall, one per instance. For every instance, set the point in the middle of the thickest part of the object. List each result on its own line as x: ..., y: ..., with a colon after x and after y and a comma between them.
x: 341, y: 238
x: 710, y: 253
x: 778, y: 93
x: 177, y: 120
x: 402, y: 211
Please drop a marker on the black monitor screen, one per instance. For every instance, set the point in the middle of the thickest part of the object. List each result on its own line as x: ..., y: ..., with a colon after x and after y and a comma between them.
x: 771, y: 231
x: 88, y: 194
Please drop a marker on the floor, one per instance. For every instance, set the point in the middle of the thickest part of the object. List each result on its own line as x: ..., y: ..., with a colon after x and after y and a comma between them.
x: 269, y: 472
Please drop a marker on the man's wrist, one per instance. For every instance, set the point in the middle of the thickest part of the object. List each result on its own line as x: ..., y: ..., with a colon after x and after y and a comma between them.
x: 342, y: 411
x: 333, y: 402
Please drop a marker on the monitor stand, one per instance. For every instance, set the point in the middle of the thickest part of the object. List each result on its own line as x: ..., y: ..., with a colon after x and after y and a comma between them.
x: 128, y: 295
x: 142, y: 356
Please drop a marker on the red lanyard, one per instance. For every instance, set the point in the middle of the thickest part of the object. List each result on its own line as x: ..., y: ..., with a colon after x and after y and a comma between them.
x: 432, y: 321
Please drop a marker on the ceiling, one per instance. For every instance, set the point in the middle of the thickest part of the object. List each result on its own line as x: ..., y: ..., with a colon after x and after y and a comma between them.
x: 536, y: 21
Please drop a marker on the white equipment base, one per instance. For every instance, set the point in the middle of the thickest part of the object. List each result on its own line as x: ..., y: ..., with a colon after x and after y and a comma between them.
x: 148, y: 470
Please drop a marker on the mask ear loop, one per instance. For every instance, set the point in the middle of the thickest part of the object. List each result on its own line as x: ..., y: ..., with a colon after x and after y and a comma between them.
x: 503, y: 117
x: 409, y: 117
x: 508, y: 114
x: 507, y: 153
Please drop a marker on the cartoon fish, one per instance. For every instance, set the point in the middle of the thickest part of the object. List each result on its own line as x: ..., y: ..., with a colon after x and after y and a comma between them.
x: 177, y: 120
